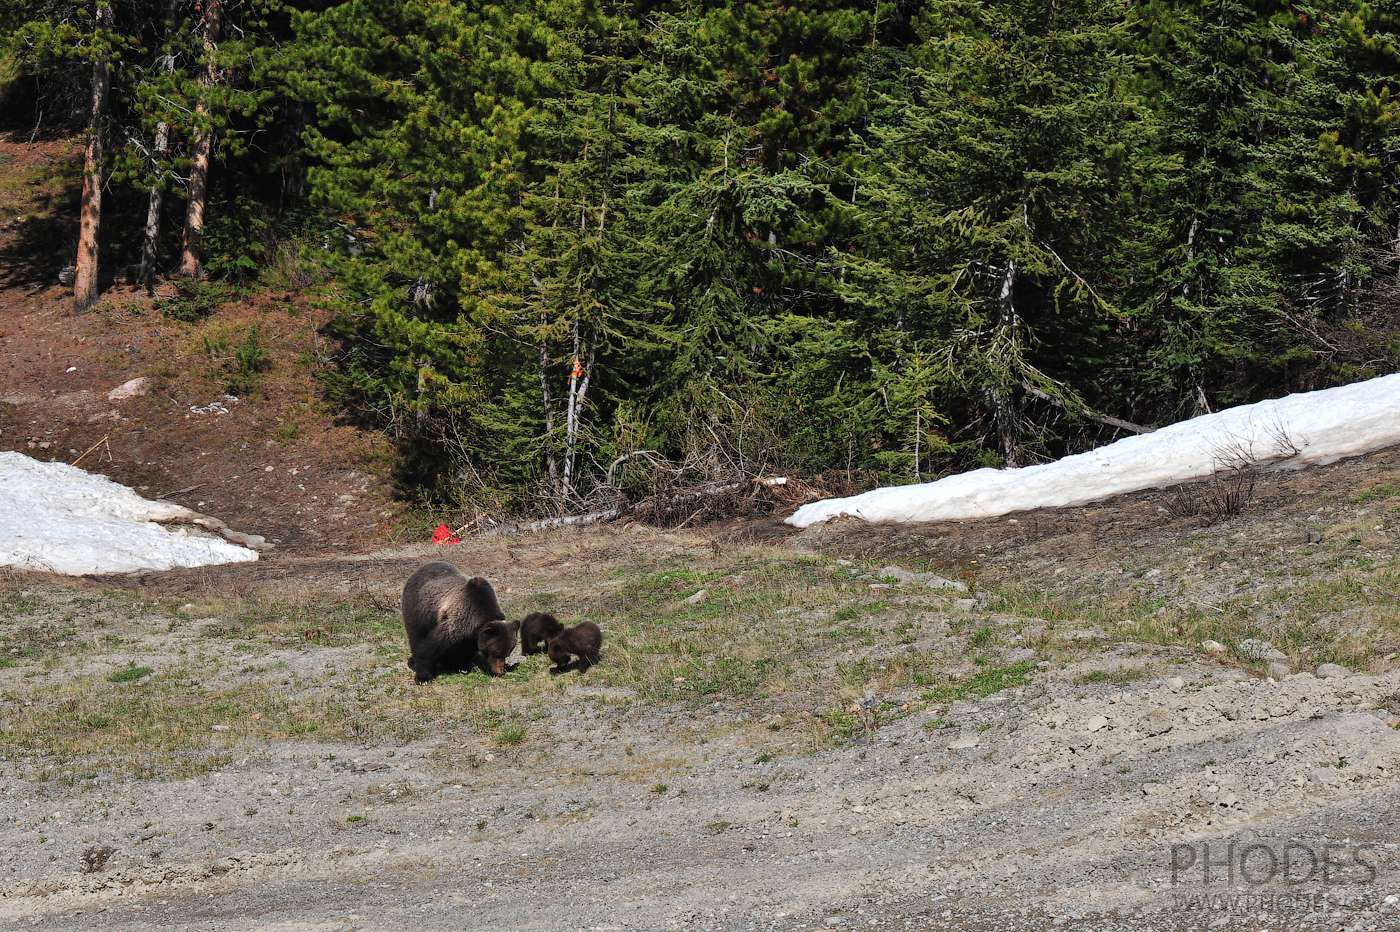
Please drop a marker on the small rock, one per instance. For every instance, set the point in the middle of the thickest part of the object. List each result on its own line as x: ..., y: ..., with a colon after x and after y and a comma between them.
x: 1278, y: 669
x: 965, y: 605
x: 1157, y: 722
x: 1019, y: 654
x: 134, y: 388
x: 963, y: 743
x: 1327, y: 776
x: 1330, y: 671
x: 1314, y: 537
x: 698, y: 597
x: 1097, y: 723
x: 1255, y: 649
x: 1213, y: 647
x: 221, y: 728
x: 1176, y: 684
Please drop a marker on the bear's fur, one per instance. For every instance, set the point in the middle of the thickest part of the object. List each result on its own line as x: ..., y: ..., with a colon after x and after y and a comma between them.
x: 536, y: 629
x: 584, y: 640
x: 494, y: 643
x: 443, y: 611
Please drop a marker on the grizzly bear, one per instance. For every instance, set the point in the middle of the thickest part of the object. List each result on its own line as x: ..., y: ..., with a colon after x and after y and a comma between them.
x: 443, y: 612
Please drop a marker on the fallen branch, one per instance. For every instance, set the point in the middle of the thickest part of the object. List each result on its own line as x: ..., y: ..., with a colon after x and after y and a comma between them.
x: 546, y: 524
x: 94, y: 447
x: 251, y: 541
x: 188, y: 488
x: 1090, y: 413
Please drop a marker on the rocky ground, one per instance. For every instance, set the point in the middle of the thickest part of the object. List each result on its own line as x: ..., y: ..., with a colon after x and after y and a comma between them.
x: 786, y: 732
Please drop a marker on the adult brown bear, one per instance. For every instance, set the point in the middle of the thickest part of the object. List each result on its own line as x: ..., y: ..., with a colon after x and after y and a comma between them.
x: 443, y: 612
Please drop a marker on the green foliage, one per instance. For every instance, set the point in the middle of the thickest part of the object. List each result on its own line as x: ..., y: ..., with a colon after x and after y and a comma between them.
x: 194, y: 300
x: 250, y: 360
x: 570, y: 238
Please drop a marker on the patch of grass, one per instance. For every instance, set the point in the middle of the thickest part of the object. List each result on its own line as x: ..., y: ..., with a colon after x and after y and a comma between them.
x: 1117, y: 676
x: 983, y: 683
x: 352, y: 819
x: 509, y: 734
x: 718, y: 827
x: 129, y: 674
x: 287, y: 621
x: 844, y: 724
x: 1377, y: 493
x: 1340, y: 613
x: 659, y: 788
x: 984, y: 636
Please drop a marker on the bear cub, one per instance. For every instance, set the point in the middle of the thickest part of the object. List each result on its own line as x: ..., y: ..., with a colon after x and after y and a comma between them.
x: 536, y: 629
x: 584, y: 641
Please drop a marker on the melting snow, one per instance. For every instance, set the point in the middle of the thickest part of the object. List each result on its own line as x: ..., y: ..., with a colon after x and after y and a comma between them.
x: 1305, y: 429
x: 62, y: 519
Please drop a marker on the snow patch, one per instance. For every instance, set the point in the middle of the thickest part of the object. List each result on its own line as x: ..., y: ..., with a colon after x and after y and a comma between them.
x: 1309, y: 428
x: 62, y: 519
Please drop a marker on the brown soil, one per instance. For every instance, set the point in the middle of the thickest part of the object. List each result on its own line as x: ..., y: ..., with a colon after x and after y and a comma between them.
x: 274, y: 462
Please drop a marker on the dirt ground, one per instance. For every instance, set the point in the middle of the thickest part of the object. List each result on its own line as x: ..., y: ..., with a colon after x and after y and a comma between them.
x: 1122, y: 716
x: 817, y: 741
x: 271, y: 454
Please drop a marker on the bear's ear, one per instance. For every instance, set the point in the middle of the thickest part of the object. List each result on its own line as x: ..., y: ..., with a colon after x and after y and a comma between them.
x: 514, y: 627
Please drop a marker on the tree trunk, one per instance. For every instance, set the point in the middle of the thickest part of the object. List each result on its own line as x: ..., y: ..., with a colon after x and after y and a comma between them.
x: 90, y: 220
x: 578, y: 388
x: 1003, y: 401
x: 192, y: 255
x: 150, y: 242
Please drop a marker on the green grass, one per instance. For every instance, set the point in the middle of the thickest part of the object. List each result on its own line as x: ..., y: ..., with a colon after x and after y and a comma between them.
x: 509, y: 734
x: 1117, y: 677
x: 1375, y: 493
x: 982, y: 684
x: 129, y: 674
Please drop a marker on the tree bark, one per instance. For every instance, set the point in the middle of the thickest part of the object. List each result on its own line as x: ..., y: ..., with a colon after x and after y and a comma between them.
x: 192, y: 253
x: 150, y: 242
x: 578, y: 389
x: 90, y: 220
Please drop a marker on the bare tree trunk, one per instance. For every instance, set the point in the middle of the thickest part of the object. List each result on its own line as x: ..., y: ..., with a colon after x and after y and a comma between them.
x: 192, y: 255
x: 90, y: 219
x: 1003, y: 404
x: 578, y: 388
x: 150, y: 242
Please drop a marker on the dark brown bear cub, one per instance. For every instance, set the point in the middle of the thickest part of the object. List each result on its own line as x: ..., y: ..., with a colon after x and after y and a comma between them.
x: 494, y: 642
x: 584, y: 640
x: 536, y: 629
x: 443, y: 611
